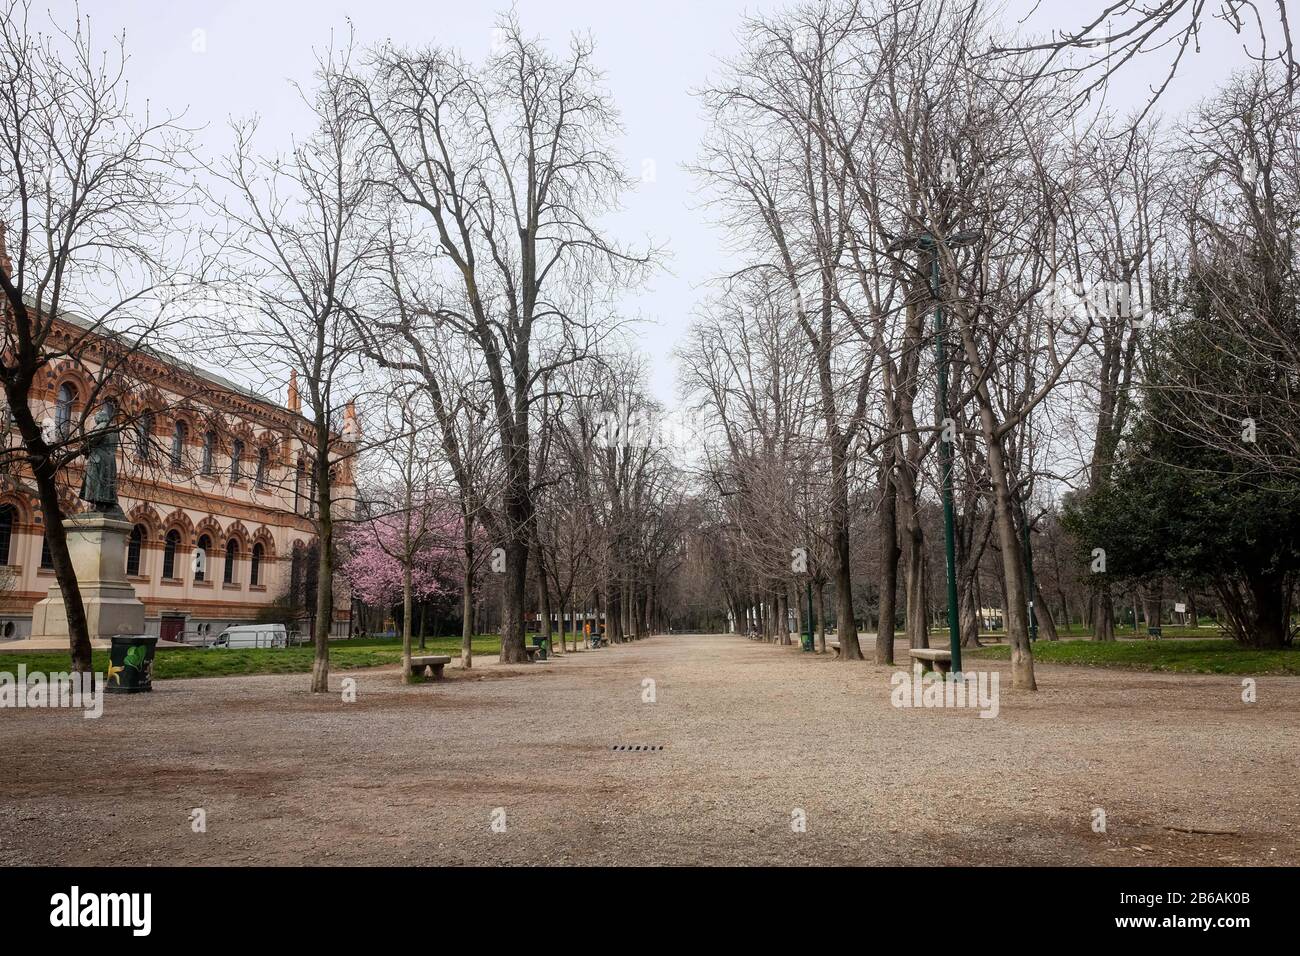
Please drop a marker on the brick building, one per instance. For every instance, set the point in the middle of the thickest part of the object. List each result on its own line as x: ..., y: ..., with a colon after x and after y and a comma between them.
x: 216, y: 479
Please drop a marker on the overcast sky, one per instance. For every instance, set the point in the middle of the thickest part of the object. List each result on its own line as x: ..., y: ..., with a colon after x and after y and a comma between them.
x: 654, y: 55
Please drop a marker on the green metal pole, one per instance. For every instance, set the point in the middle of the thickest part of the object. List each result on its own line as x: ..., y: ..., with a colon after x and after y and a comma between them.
x: 811, y: 647
x: 945, y: 468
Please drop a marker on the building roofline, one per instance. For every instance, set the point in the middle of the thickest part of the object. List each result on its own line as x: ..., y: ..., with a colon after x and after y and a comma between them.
x: 189, y: 368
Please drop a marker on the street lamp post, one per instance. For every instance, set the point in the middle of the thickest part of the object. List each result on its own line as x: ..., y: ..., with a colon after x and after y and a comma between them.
x: 926, y: 242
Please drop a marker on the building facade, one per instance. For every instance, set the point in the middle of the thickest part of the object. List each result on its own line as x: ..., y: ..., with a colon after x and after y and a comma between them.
x: 216, y: 482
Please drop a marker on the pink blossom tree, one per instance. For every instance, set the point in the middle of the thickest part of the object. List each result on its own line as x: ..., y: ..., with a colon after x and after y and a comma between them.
x: 403, y: 547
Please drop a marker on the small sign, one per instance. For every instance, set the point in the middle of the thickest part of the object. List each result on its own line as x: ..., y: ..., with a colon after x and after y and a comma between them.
x: 1180, y: 607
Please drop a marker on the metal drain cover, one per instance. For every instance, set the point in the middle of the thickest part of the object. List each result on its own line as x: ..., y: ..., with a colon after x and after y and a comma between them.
x: 637, y: 747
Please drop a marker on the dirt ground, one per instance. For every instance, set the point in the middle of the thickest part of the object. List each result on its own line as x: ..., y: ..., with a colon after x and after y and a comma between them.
x: 751, y: 733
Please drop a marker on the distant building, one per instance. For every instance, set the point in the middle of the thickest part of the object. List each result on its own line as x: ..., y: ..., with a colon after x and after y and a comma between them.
x: 216, y: 480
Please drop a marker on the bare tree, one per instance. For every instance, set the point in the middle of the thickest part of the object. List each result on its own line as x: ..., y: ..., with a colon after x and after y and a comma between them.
x: 783, y: 185
x: 510, y: 165
x: 90, y: 197
x: 299, y: 248
x: 406, y: 512
x: 1101, y: 48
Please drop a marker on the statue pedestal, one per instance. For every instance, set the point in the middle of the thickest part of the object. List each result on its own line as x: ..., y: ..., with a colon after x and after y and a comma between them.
x: 97, y: 544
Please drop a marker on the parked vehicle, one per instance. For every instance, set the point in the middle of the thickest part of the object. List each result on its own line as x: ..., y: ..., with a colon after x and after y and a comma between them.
x: 252, y: 635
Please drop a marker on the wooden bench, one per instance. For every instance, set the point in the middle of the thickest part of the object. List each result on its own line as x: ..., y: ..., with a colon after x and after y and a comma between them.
x: 418, y: 665
x: 941, y: 659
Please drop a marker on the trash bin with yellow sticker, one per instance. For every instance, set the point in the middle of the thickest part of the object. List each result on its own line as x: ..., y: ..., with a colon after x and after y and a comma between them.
x: 130, y: 664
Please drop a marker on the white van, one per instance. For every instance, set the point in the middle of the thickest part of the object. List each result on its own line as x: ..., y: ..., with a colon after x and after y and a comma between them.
x: 252, y: 635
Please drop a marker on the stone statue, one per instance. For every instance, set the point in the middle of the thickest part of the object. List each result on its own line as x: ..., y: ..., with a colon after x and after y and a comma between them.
x: 99, y: 484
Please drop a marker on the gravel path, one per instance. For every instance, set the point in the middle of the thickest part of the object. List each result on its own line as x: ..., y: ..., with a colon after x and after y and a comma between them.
x: 751, y: 734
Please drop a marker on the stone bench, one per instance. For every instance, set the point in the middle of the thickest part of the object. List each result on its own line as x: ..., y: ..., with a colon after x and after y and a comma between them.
x: 835, y: 646
x: 436, y: 664
x: 941, y: 659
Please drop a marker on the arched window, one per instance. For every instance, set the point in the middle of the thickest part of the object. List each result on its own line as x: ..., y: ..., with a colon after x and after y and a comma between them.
x: 144, y: 436
x: 255, y: 569
x: 63, y: 410
x: 201, y: 558
x: 179, y: 434
x: 6, y: 531
x: 209, y: 450
x: 171, y: 544
x: 236, y: 455
x: 134, y: 546
x: 263, y: 459
x: 232, y: 552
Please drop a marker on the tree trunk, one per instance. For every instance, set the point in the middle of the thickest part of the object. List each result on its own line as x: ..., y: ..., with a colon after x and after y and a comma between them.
x: 1103, y: 623
x: 889, y: 553
x: 47, y: 490
x: 467, y: 595
x: 1259, y: 615
x: 543, y: 599
x: 918, y: 624
x: 562, y: 600
x: 1046, y: 623
x: 969, y: 617
x: 821, y: 617
x: 651, y: 609
x: 1153, y: 604
x: 1013, y: 568
x: 514, y: 599
x: 845, y: 621
x: 799, y: 611
x: 407, y: 610
x: 783, y: 615
x: 320, y: 668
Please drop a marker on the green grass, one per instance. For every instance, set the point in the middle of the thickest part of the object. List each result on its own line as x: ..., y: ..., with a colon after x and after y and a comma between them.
x: 200, y: 662
x: 1083, y: 632
x: 1214, y: 656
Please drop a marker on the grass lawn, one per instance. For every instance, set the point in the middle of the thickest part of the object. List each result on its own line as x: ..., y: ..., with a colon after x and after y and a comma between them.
x: 1082, y: 632
x: 200, y: 662
x: 1214, y: 656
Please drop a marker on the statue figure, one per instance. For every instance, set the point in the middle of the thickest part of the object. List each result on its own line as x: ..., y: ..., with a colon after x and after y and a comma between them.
x: 99, y: 484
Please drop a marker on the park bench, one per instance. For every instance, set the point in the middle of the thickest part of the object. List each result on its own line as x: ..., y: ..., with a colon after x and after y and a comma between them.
x: 418, y: 665
x: 835, y: 646
x: 940, y: 659
x: 1154, y: 632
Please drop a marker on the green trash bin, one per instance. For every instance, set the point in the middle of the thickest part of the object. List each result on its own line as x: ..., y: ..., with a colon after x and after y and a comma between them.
x: 130, y: 664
